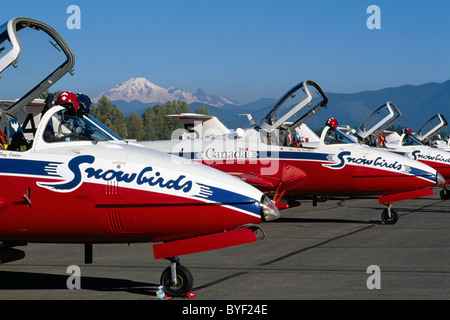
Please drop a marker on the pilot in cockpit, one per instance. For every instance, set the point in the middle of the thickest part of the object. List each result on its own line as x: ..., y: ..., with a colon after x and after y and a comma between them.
x: 68, y: 125
x: 407, y: 140
x: 381, y: 141
x: 283, y: 135
x: 332, y: 136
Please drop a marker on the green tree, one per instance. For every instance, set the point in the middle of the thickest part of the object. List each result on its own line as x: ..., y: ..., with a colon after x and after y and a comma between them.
x: 149, y: 123
x: 111, y: 116
x: 203, y: 110
x: 135, y: 126
x: 154, y: 124
x: 157, y: 124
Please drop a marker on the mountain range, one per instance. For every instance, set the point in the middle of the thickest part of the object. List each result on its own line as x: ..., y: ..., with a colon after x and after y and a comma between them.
x: 417, y: 103
x: 142, y: 90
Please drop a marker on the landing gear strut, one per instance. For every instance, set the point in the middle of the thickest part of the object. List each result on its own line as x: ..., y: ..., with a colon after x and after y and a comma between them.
x: 176, y: 279
x: 389, y: 215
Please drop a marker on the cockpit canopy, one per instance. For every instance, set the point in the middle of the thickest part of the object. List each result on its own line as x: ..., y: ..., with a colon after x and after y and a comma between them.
x: 379, y: 120
x: 431, y: 127
x: 287, y: 108
x: 33, y: 56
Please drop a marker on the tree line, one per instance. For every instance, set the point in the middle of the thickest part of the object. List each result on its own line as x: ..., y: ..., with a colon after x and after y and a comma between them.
x: 153, y: 124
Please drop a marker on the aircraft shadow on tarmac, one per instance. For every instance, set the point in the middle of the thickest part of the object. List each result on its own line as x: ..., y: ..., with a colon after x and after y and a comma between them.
x: 403, y: 211
x: 328, y: 220
x: 10, y: 280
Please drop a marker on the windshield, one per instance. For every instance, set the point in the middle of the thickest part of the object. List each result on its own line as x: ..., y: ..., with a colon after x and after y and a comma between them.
x: 108, y: 131
x: 337, y: 137
x: 64, y: 126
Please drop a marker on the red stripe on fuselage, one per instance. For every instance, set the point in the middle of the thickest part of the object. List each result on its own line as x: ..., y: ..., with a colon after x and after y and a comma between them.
x: 319, y: 180
x: 101, y: 213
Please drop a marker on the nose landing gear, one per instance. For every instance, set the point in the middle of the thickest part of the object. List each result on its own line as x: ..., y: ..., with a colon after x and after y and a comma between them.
x: 176, y: 279
x: 389, y: 215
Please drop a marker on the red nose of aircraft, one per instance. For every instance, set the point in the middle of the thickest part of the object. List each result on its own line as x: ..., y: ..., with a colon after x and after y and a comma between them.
x: 394, y: 173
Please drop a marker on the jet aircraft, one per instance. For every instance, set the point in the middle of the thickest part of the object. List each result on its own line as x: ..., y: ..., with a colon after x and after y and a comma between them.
x: 66, y: 178
x: 373, y: 131
x: 281, y: 156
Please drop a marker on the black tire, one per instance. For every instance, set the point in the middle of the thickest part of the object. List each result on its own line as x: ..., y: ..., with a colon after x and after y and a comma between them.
x: 444, y: 194
x: 389, y: 220
x: 184, y: 278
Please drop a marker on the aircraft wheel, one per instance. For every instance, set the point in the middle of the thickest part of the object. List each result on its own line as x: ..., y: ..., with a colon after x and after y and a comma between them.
x: 389, y: 219
x: 444, y: 194
x: 184, y: 279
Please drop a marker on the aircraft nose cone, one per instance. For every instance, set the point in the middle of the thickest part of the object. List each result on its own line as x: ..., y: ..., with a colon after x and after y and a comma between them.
x: 269, y: 211
x: 440, y: 180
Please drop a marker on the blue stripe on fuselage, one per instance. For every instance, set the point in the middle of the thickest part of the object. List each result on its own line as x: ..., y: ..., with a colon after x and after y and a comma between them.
x: 226, y: 197
x: 311, y: 156
x: 29, y: 167
x: 306, y: 156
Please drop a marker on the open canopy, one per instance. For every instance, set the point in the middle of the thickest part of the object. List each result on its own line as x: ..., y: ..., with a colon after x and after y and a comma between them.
x: 33, y: 56
x: 432, y: 126
x: 379, y: 120
x: 288, y: 107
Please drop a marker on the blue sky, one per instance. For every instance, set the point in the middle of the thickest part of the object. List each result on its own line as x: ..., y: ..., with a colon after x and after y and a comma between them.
x: 249, y: 49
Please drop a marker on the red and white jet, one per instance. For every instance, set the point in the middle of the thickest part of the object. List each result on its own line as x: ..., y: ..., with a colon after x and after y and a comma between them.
x: 373, y: 132
x: 66, y: 178
x: 281, y: 156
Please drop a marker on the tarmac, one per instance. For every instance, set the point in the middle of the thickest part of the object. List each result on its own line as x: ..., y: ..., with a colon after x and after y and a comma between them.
x: 338, y: 250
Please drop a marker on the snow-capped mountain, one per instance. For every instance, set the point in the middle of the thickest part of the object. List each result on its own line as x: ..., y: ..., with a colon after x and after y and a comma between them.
x: 142, y: 90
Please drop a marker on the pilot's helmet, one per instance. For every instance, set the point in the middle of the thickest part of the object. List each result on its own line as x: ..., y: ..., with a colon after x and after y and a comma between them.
x: 69, y: 100
x: 85, y: 103
x: 407, y: 131
x: 332, y: 123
